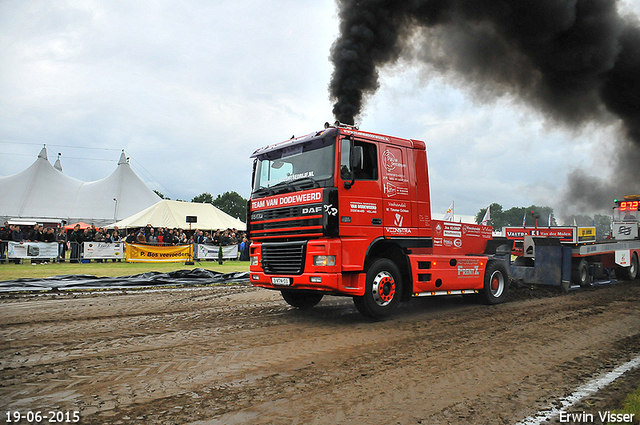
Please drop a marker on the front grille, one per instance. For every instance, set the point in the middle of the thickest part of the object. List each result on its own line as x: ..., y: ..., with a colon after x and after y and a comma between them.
x: 283, y: 258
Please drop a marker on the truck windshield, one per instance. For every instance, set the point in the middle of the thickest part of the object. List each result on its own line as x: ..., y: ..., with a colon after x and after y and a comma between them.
x: 306, y: 164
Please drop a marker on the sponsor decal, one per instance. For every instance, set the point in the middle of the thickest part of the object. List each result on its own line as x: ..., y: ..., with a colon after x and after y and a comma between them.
x: 398, y: 230
x: 290, y: 177
x: 392, y: 190
x: 363, y: 207
x: 453, y: 233
x: 331, y: 210
x: 468, y: 267
x: 372, y: 136
x: 389, y: 160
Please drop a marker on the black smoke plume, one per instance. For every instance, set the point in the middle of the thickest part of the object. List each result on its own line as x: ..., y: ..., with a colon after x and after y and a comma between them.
x: 577, y: 61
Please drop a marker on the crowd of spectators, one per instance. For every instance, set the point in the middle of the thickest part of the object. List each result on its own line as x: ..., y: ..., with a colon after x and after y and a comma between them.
x: 72, y: 239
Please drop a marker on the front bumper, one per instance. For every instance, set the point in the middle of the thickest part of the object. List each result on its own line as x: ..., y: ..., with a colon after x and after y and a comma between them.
x: 329, y: 279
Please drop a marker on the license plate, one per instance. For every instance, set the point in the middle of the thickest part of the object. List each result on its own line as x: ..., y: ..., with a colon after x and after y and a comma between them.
x: 283, y: 281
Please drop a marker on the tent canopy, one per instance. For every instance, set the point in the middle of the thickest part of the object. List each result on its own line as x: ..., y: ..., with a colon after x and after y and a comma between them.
x: 173, y: 214
x: 82, y: 224
x: 43, y: 193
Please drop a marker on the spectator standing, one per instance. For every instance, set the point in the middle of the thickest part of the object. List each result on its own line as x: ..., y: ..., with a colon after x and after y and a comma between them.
x: 17, y: 235
x: 75, y: 239
x: 131, y: 238
x: 99, y: 236
x: 49, y: 236
x: 244, y: 249
x: 141, y: 237
x: 62, y: 246
x: 5, y: 234
x: 152, y: 237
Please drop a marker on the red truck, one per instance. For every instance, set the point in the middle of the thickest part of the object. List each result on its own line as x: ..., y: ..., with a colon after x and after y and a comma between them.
x: 347, y: 212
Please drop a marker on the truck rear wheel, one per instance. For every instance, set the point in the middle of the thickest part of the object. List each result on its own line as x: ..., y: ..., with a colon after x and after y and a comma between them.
x: 631, y: 272
x: 302, y: 299
x: 496, y: 283
x: 382, y: 291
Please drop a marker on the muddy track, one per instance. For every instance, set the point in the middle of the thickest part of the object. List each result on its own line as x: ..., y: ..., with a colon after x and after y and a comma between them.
x: 236, y: 354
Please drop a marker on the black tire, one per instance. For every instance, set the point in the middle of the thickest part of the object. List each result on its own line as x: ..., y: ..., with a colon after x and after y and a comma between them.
x: 631, y: 272
x: 580, y: 274
x: 302, y: 299
x: 496, y: 283
x: 382, y: 291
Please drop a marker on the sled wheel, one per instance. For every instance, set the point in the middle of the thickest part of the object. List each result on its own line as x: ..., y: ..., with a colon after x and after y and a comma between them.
x: 496, y: 283
x: 631, y: 272
x: 580, y: 275
x: 382, y: 291
x: 302, y: 299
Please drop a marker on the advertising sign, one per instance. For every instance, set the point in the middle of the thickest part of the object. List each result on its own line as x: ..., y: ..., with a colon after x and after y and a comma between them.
x: 163, y: 254
x: 102, y: 250
x: 565, y: 234
x: 210, y: 252
x: 33, y: 250
x: 586, y: 234
x: 625, y: 231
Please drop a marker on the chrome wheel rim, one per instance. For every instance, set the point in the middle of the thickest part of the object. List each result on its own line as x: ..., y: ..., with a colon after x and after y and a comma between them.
x: 383, y: 289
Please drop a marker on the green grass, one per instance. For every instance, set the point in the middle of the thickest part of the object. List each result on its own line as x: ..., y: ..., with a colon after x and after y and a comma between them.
x: 27, y: 270
x: 631, y: 405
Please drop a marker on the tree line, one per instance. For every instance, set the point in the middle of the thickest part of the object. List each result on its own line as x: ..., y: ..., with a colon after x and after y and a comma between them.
x: 229, y: 202
x: 517, y: 216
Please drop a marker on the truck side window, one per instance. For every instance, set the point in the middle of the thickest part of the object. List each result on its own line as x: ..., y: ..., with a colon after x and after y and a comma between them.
x: 369, y: 170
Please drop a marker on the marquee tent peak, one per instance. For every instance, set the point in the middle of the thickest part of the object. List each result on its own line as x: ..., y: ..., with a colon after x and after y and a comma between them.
x: 43, y: 153
x: 58, y: 164
x: 123, y: 158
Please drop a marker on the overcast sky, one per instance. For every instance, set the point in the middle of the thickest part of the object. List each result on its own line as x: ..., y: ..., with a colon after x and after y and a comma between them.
x: 190, y: 88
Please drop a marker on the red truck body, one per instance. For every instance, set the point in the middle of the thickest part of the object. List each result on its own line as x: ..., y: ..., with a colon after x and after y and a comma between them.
x: 347, y: 212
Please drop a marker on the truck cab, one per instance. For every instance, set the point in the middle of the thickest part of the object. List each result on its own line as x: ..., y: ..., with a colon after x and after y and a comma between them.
x: 346, y: 212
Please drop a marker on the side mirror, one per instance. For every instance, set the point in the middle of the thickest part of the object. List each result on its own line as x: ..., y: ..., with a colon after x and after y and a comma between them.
x: 351, y: 160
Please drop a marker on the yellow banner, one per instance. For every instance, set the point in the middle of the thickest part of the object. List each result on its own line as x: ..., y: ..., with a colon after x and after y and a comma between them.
x: 151, y: 253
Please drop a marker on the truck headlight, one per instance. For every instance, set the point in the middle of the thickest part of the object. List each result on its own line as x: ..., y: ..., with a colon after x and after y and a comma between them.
x: 253, y: 260
x: 324, y: 260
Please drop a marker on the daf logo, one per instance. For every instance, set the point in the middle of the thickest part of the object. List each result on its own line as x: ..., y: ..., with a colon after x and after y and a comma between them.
x: 257, y: 216
x: 312, y: 210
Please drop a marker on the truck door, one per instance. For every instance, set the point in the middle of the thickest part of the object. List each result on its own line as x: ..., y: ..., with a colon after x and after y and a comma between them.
x: 360, y: 200
x: 397, y: 206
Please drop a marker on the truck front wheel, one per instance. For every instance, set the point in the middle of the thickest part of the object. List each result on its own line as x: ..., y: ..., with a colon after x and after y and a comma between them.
x: 301, y: 298
x: 496, y: 283
x: 382, y: 291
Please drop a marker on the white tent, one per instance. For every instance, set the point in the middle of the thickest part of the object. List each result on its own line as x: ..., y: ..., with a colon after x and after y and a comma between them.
x: 120, y: 195
x: 38, y: 192
x: 173, y: 214
x: 43, y: 193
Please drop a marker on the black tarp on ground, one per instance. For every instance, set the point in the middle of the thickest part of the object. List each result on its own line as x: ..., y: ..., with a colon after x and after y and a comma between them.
x: 150, y: 279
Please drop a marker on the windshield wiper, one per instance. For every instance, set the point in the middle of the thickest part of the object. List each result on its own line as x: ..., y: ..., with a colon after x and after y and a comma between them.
x: 262, y: 189
x: 311, y: 179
